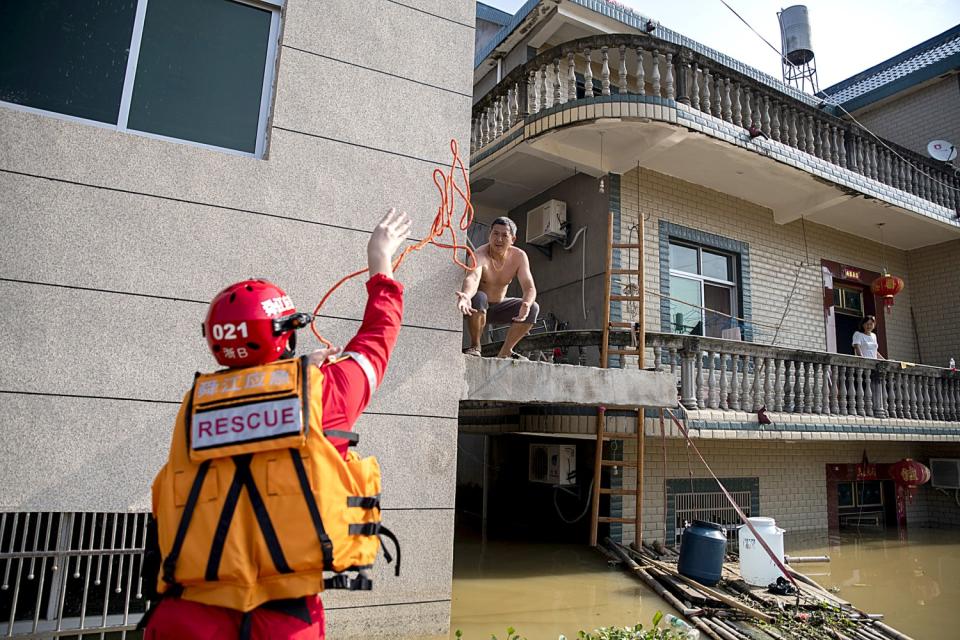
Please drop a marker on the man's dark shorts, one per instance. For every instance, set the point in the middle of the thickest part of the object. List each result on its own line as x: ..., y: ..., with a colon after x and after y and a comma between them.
x: 503, y: 312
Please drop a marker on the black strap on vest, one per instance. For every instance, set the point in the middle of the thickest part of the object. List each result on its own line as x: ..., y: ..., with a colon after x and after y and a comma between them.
x: 170, y: 562
x: 305, y: 395
x: 364, y: 502
x: 326, y: 545
x: 242, y: 478
x: 396, y: 546
x: 351, y: 437
x: 365, y: 529
x: 343, y: 581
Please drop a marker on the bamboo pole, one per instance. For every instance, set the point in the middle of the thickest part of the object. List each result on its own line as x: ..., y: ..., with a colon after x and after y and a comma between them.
x: 700, y: 624
x: 641, y: 436
x: 641, y: 273
x: 802, y: 559
x: 651, y: 582
x: 719, y: 629
x: 722, y: 597
x: 605, y: 346
x: 597, y: 476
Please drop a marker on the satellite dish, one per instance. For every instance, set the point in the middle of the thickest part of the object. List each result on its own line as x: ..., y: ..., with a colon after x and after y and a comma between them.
x: 941, y: 150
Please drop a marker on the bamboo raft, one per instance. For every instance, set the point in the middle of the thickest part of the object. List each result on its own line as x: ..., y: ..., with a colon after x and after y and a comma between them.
x: 734, y: 610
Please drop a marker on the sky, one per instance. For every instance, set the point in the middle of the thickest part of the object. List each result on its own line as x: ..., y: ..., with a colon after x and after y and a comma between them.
x: 848, y: 36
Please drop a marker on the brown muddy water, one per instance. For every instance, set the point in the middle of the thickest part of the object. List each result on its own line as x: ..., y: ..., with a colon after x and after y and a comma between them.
x: 544, y: 590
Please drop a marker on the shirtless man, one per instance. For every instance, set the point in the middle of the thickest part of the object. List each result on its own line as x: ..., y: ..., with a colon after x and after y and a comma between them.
x: 481, y: 298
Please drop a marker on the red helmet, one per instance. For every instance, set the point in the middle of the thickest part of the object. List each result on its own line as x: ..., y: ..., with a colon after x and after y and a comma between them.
x: 251, y: 323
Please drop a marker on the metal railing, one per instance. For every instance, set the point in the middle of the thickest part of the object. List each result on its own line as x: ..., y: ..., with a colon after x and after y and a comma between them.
x: 711, y: 507
x: 614, y: 67
x: 71, y: 574
x: 740, y: 376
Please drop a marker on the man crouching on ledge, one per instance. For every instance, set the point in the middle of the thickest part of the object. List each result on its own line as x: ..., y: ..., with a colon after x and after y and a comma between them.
x: 481, y: 298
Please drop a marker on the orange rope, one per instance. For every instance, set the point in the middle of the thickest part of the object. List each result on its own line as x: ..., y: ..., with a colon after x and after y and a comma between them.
x: 447, y: 186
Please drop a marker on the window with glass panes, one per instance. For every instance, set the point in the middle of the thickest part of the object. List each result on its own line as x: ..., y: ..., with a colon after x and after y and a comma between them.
x: 703, y: 290
x: 188, y: 70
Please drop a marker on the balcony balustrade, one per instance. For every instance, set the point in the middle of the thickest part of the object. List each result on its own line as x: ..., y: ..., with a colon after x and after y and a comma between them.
x: 648, y: 69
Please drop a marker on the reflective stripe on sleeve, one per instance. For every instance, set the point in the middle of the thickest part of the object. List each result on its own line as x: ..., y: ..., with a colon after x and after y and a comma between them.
x: 368, y: 370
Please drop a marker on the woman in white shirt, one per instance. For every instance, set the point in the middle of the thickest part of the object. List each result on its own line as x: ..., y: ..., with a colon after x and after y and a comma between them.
x: 865, y: 341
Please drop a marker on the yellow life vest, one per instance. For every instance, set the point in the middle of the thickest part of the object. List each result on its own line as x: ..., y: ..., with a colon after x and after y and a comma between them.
x: 255, y: 503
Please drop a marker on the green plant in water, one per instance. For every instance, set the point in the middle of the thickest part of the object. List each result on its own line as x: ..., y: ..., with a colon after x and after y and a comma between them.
x: 636, y: 632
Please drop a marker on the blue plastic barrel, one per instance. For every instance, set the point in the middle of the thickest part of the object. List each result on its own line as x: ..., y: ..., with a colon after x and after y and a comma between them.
x: 702, y: 549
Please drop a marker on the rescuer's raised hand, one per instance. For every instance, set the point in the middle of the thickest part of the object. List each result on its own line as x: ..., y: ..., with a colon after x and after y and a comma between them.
x: 321, y: 356
x: 386, y: 238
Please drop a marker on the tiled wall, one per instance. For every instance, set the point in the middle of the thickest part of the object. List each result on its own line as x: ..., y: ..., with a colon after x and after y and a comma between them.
x: 776, y: 252
x: 935, y: 278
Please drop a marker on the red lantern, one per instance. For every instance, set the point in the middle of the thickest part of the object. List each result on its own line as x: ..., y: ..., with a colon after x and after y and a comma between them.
x: 909, y: 473
x: 887, y: 286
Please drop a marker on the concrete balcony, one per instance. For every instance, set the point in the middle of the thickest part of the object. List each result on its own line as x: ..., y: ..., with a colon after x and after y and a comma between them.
x: 720, y: 385
x: 676, y: 111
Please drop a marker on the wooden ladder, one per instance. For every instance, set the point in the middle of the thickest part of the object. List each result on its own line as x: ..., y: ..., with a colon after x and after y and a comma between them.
x: 598, y: 490
x: 609, y: 296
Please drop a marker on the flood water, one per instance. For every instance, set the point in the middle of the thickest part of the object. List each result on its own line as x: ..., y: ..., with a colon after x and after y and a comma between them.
x: 543, y: 590
x: 914, y: 583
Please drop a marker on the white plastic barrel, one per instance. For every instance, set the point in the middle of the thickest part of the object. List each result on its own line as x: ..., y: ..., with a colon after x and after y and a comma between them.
x: 756, y: 566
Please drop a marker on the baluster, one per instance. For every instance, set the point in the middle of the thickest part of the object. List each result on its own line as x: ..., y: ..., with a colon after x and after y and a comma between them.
x: 817, y: 139
x: 921, y: 400
x: 787, y: 388
x: 861, y: 157
x: 668, y: 80
x: 724, y: 399
x: 588, y: 74
x: 474, y: 135
x: 811, y: 144
x: 792, y: 128
x: 890, y: 381
x: 817, y: 387
x: 835, y: 389
x: 903, y: 397
x: 775, y: 121
x: 777, y: 385
x: 515, y: 105
x: 834, y: 145
x: 498, y: 118
x: 861, y: 406
x: 841, y: 148
x: 798, y: 387
x: 657, y: 359
x: 769, y: 380
x: 734, y: 387
x: 914, y: 398
x: 546, y: 96
x: 695, y: 86
x: 765, y: 115
x: 712, y: 381
x: 882, y: 398
x: 755, y: 101
x: 888, y: 166
x: 927, y: 398
x: 868, y: 392
x: 641, y: 90
x: 808, y: 389
x: 827, y: 134
x: 725, y: 107
x: 571, y: 76
x: 717, y: 105
x: 874, y: 162
x: 622, y: 71
x: 735, y: 105
x: 852, y: 391
x: 605, y: 71
x: 894, y: 171
x: 683, y: 84
x: 842, y: 392
x: 758, y: 390
x: 655, y: 74
x: 705, y: 96
x: 701, y: 401
x: 937, y: 399
x: 485, y: 126
x: 532, y: 92
x: 558, y: 93
x: 746, y: 393
x: 825, y: 380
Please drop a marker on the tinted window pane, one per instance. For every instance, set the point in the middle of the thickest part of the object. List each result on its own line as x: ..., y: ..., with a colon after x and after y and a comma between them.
x: 719, y: 299
x: 67, y: 56
x: 200, y: 72
x: 683, y: 258
x: 685, y: 318
x: 717, y: 265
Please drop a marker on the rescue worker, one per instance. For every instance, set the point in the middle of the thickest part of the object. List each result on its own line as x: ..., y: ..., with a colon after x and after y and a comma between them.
x: 252, y: 324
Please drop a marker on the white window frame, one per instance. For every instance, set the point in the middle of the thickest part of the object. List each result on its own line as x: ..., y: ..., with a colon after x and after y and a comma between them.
x: 266, y: 94
x: 702, y: 279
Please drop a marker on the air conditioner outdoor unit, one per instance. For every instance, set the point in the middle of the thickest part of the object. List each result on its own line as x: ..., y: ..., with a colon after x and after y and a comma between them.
x: 553, y: 464
x: 945, y: 473
x: 546, y: 223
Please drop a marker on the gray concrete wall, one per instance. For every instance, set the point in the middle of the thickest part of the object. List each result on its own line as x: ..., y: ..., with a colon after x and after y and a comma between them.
x: 113, y: 243
x: 558, y: 277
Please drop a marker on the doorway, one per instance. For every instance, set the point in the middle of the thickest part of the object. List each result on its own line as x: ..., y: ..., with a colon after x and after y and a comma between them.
x: 847, y: 298
x: 848, y: 305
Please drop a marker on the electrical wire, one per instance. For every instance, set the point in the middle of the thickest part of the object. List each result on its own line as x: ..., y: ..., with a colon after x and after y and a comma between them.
x: 827, y: 99
x: 583, y: 266
x: 586, y: 508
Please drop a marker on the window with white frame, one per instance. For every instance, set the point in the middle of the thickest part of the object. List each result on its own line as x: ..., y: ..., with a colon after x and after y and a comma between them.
x: 199, y: 71
x: 703, y: 290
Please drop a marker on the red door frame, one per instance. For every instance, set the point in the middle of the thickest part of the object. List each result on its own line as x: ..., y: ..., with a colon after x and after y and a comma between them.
x: 846, y: 274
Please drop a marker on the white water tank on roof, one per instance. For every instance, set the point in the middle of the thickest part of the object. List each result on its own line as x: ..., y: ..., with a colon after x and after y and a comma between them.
x: 795, y: 34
